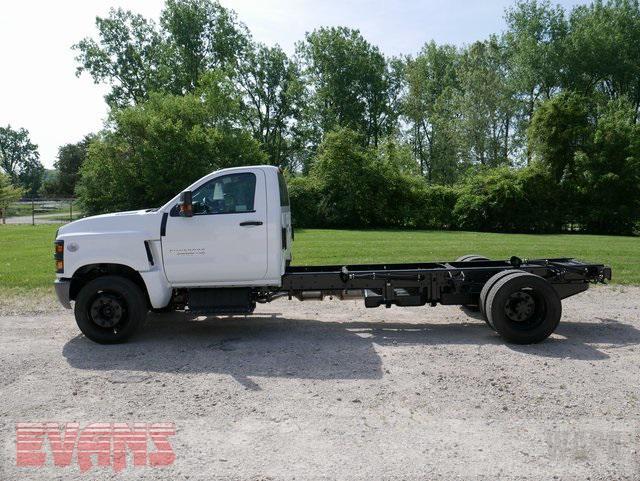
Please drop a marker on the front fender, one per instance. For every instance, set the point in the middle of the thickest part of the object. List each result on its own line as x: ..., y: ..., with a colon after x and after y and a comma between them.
x: 125, y: 247
x: 122, y: 248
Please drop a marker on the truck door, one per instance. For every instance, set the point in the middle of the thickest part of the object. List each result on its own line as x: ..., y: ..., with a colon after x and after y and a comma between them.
x: 225, y: 241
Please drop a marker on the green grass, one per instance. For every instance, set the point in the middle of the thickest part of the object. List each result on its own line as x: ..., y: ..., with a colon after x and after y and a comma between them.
x: 26, y: 252
x: 19, y: 209
x: 366, y: 246
x: 26, y: 256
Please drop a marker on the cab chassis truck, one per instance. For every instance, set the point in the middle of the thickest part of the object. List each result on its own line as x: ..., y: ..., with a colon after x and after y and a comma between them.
x: 224, y: 244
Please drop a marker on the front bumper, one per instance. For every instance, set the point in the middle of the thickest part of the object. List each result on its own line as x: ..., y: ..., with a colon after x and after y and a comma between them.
x: 62, y: 287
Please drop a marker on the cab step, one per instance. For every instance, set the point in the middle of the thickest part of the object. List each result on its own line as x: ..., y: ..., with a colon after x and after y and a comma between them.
x: 220, y: 301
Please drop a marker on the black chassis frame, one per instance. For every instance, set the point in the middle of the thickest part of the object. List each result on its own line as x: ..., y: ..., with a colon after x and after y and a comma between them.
x: 435, y: 282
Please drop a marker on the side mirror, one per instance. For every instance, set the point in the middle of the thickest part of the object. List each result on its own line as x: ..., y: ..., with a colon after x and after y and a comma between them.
x: 185, y: 205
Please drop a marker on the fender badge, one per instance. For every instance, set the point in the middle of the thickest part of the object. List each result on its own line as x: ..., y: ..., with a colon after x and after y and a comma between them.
x: 72, y: 247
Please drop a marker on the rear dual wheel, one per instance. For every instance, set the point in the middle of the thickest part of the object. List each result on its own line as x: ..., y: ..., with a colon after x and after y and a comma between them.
x: 522, y: 307
x: 484, y: 293
x: 471, y: 258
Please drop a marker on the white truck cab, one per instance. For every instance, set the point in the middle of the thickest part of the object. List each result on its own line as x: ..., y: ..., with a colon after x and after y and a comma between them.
x: 234, y: 230
x: 238, y: 234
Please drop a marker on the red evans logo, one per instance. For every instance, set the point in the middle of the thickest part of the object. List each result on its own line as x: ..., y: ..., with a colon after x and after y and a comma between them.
x: 98, y: 444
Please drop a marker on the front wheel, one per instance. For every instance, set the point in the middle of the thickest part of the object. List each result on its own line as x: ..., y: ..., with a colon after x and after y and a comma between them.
x: 110, y: 309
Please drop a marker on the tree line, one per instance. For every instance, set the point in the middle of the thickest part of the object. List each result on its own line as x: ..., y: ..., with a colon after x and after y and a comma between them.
x: 534, y: 129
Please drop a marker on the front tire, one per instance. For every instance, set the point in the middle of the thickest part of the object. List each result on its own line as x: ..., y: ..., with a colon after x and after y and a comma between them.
x: 110, y: 309
x: 523, y: 308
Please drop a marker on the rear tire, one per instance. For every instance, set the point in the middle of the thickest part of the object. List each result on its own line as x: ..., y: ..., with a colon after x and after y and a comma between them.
x: 110, y: 309
x: 470, y: 258
x: 523, y: 308
x: 487, y: 287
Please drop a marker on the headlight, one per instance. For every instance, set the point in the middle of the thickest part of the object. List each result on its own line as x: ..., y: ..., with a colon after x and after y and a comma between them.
x: 58, y: 255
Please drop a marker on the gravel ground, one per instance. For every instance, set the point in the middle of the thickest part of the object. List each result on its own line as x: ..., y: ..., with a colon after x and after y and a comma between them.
x: 332, y: 390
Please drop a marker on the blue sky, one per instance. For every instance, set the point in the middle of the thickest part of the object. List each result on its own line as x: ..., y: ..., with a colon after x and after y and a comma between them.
x: 39, y: 90
x: 395, y: 26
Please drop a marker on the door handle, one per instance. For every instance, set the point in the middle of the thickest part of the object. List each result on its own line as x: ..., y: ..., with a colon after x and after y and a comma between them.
x: 250, y: 222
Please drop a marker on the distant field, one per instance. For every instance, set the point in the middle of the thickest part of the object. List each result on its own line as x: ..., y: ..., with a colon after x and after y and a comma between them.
x: 42, y: 207
x: 26, y: 252
x: 26, y: 256
x: 342, y: 246
x: 42, y: 212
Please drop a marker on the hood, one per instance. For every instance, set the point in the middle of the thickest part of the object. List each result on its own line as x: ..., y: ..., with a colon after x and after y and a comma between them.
x: 134, y: 220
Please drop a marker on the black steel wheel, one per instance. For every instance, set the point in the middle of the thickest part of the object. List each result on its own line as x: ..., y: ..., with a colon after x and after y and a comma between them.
x: 110, y: 309
x: 523, y: 308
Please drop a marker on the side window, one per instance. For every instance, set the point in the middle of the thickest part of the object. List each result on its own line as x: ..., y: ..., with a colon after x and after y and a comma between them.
x: 229, y: 194
x: 284, y: 193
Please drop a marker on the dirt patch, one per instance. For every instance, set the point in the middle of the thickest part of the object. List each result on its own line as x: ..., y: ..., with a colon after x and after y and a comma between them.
x: 333, y: 390
x: 22, y: 302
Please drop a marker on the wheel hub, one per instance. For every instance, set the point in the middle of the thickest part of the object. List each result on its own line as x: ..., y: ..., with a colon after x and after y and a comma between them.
x: 520, y: 306
x: 106, y: 310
